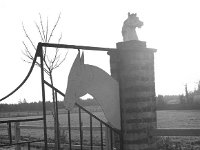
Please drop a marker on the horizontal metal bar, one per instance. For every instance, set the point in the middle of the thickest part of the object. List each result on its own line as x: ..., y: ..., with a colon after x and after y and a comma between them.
x: 21, y: 143
x: 176, y: 132
x: 21, y: 120
x: 156, y: 132
x: 77, y: 47
x: 41, y: 144
x: 52, y: 128
x: 115, y: 130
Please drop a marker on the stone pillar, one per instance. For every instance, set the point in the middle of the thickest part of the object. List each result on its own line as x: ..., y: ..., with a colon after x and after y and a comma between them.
x: 132, y: 65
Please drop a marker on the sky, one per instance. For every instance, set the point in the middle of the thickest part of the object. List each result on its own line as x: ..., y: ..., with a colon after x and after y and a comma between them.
x: 170, y: 26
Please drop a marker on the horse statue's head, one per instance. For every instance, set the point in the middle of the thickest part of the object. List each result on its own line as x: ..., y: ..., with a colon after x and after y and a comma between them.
x: 128, y: 29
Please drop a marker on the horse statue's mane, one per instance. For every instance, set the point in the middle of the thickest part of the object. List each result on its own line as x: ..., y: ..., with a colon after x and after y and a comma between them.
x: 128, y: 29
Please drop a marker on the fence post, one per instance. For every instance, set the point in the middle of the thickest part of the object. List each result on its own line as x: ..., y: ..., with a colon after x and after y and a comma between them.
x: 107, y: 137
x: 17, y: 135
x: 132, y: 65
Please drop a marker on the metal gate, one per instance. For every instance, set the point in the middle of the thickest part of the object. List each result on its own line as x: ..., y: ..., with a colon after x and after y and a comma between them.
x: 115, y: 135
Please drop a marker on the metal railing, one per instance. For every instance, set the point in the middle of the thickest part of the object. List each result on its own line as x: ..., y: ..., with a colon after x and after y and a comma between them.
x: 17, y: 128
x: 114, y: 133
x: 39, y: 53
x: 80, y: 108
x: 16, y: 141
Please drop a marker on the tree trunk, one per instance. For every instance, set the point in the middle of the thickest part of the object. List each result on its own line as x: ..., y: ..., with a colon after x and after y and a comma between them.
x: 55, y: 115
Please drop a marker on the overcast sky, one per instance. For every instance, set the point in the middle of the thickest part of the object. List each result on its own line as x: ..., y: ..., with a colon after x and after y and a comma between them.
x: 170, y: 26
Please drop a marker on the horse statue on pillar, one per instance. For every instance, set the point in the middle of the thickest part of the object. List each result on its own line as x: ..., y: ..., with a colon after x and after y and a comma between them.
x: 128, y: 29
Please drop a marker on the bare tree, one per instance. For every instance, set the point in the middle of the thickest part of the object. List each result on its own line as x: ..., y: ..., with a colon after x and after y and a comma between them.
x: 51, y: 61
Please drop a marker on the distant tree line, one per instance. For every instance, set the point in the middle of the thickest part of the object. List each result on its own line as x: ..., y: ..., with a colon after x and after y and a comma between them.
x: 164, y: 99
x: 161, y: 102
x: 37, y: 106
x: 181, y: 102
x: 34, y: 106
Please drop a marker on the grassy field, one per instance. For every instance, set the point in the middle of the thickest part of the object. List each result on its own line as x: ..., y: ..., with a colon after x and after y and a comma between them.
x: 179, y: 119
x: 165, y: 119
x: 38, y: 134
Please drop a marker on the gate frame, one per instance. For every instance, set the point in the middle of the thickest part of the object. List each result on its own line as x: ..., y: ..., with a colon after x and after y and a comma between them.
x: 43, y: 82
x: 39, y: 53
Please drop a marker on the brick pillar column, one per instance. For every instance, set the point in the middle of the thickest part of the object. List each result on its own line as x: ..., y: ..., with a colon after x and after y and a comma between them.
x: 133, y: 66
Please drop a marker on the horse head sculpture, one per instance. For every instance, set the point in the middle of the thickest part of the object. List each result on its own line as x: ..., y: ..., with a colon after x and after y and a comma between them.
x: 83, y: 79
x: 128, y: 29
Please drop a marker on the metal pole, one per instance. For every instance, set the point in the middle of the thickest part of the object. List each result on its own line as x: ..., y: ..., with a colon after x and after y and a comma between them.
x: 80, y: 127
x: 101, y: 132
x: 40, y: 52
x: 91, y: 136
x: 29, y: 146
x: 69, y: 129
x: 57, y: 122
x: 111, y: 139
x: 9, y: 132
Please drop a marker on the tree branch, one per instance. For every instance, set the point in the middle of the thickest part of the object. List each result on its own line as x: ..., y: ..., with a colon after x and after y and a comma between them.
x: 47, y: 29
x: 58, y: 64
x: 27, y: 52
x: 41, y: 23
x: 54, y: 28
x: 39, y: 32
x: 50, y: 64
x: 28, y: 37
x: 57, y: 50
